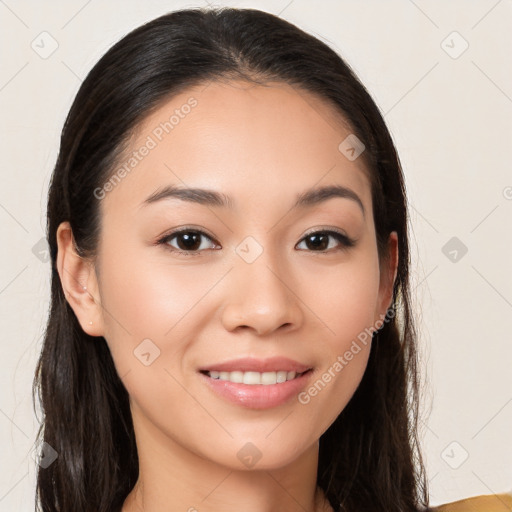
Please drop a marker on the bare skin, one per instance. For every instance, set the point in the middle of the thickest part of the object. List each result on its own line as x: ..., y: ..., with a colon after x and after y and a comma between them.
x: 262, y: 146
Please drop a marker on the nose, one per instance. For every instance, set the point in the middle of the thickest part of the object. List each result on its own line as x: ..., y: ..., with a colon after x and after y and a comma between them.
x: 261, y: 297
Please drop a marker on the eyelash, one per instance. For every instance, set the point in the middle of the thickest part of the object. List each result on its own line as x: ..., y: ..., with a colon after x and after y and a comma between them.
x: 344, y: 240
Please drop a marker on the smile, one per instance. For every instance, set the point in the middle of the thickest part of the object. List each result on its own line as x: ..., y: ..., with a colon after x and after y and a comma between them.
x: 254, y: 378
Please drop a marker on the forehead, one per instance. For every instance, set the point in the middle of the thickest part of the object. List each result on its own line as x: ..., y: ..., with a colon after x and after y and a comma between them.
x: 246, y: 140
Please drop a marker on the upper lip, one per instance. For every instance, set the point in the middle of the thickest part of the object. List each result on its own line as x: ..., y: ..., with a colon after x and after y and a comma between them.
x: 250, y: 364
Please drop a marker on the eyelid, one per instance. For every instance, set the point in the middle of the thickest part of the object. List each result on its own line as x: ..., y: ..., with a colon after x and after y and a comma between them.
x: 187, y: 228
x: 325, y: 229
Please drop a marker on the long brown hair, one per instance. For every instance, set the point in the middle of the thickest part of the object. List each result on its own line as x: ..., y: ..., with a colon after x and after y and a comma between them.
x: 369, y: 457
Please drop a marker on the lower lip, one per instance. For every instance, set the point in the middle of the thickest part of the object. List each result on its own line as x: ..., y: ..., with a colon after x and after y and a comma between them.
x: 257, y: 396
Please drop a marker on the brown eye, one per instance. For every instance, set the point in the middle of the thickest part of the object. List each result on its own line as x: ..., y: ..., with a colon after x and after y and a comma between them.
x: 318, y: 241
x: 186, y: 240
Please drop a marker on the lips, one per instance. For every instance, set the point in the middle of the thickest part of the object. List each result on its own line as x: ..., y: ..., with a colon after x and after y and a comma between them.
x: 250, y: 364
x: 256, y: 396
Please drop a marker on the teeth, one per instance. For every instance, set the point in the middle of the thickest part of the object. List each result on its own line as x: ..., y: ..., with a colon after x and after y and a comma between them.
x: 266, y: 378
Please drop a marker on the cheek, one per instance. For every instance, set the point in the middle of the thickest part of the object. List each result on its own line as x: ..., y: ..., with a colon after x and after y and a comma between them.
x: 345, y: 299
x: 332, y: 387
x: 145, y: 297
x: 149, y: 311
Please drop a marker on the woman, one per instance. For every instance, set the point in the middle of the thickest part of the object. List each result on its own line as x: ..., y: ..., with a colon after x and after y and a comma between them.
x: 230, y: 324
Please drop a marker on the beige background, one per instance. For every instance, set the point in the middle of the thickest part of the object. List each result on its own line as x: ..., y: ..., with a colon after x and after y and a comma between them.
x: 449, y: 109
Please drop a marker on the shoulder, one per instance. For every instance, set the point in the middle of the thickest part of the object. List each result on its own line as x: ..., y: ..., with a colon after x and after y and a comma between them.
x: 487, y: 503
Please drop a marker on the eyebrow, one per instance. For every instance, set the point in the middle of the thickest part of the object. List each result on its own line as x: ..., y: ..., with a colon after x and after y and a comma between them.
x: 206, y: 197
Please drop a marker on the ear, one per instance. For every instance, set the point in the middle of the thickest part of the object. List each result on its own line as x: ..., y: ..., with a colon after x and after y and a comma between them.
x: 388, y: 273
x: 79, y: 282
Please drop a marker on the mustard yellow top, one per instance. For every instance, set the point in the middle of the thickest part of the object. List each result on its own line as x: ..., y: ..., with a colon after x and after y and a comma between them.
x: 488, y: 503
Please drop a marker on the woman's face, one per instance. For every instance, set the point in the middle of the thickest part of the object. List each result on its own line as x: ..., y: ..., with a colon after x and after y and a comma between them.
x: 256, y: 283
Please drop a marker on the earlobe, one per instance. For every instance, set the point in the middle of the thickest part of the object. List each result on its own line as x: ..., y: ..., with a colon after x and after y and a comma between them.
x: 79, y: 282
